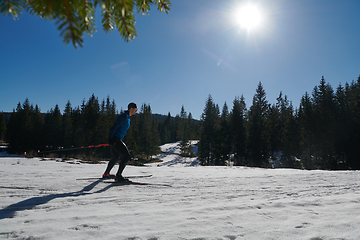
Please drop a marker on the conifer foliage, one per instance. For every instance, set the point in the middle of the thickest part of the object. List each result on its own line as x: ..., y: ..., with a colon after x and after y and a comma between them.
x: 76, y: 17
x: 323, y: 133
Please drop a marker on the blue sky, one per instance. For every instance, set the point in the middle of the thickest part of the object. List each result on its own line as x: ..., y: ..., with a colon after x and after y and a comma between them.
x: 179, y: 58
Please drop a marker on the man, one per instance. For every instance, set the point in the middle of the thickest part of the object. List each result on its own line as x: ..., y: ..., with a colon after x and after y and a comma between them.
x: 118, y: 149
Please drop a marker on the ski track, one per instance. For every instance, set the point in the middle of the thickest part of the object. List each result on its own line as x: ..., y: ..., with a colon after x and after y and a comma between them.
x: 42, y: 200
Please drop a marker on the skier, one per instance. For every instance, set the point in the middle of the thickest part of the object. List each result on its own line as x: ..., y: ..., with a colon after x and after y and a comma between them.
x: 118, y: 149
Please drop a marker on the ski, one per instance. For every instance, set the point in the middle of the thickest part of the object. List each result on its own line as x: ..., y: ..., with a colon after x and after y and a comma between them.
x: 139, y: 183
x: 95, y: 178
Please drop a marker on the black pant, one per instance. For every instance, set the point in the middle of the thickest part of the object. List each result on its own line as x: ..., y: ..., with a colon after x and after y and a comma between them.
x: 119, y: 152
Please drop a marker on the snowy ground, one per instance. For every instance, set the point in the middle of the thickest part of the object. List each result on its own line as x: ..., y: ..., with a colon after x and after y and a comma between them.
x: 42, y: 200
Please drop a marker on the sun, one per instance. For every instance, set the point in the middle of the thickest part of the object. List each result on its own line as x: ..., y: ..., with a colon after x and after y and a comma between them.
x: 248, y: 16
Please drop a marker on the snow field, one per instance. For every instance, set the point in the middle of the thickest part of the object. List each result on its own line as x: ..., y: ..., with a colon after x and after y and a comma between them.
x: 42, y: 200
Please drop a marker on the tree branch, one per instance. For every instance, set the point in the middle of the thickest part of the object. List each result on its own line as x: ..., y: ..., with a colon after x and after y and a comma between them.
x: 48, y: 6
x: 163, y: 6
x: 9, y: 4
x: 86, y: 16
x: 68, y: 16
x: 124, y: 20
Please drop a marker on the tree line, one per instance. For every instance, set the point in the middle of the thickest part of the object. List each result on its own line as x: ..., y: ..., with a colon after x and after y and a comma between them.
x: 323, y: 133
x: 29, y: 130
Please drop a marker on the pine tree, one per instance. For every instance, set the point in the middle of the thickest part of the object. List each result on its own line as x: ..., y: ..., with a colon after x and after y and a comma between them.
x: 238, y: 130
x: 2, y: 126
x: 343, y: 124
x: 283, y: 131
x: 209, y: 125
x: 92, y: 121
x: 145, y: 130
x: 258, y: 134
x: 14, y: 132
x: 191, y: 127
x: 306, y: 118
x: 53, y: 128
x: 155, y: 141
x: 21, y: 128
x: 167, y: 130
x: 149, y: 137
x: 182, y: 125
x: 177, y: 123
x: 183, y: 134
x: 108, y: 118
x: 290, y: 139
x: 132, y: 137
x: 38, y: 130
x: 352, y: 148
x: 224, y: 139
x: 78, y: 136
x: 275, y: 124
x: 27, y: 124
x: 324, y: 110
x: 67, y: 126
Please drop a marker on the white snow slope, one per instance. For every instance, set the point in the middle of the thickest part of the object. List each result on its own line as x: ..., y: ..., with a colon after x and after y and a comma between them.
x: 43, y: 200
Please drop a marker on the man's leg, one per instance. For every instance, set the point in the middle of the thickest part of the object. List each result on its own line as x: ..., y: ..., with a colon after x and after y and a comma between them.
x: 124, y: 151
x: 115, y: 155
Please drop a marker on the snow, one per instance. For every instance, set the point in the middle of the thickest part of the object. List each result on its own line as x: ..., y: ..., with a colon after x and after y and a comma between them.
x: 42, y: 200
x: 170, y: 156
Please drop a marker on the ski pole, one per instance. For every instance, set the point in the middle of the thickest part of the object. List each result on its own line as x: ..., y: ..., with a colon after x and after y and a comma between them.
x: 77, y: 148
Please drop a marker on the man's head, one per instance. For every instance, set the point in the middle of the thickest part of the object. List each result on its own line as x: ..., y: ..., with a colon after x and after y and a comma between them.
x: 132, y: 108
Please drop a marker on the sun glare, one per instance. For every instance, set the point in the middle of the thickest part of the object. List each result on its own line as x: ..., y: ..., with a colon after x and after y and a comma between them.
x: 248, y: 16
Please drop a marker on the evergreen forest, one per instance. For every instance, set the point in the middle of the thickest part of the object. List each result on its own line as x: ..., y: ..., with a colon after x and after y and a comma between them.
x: 322, y: 133
x: 28, y: 130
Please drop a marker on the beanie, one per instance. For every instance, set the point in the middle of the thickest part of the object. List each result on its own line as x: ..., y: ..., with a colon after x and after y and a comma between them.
x: 132, y: 105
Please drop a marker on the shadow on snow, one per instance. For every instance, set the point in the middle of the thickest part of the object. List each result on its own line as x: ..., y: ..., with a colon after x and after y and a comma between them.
x: 10, y: 211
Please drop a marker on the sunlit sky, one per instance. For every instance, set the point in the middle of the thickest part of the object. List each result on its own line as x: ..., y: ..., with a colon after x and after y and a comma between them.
x: 179, y: 58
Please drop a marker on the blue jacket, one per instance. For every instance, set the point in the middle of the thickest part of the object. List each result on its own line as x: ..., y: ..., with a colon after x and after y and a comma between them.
x: 121, y: 125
